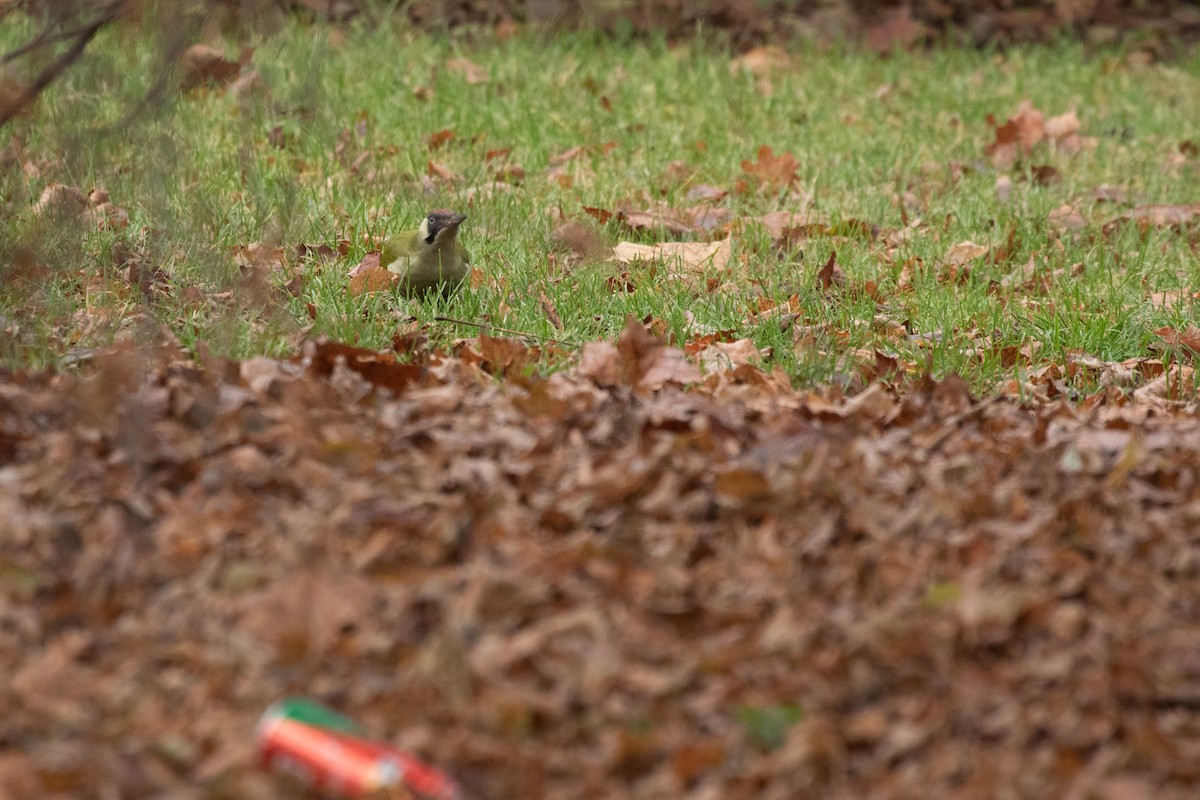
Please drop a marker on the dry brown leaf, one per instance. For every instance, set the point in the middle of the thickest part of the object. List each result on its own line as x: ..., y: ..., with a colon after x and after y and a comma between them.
x: 442, y: 172
x: 599, y: 363
x: 1156, y: 216
x: 440, y: 139
x: 964, y: 252
x: 61, y: 202
x: 1186, y: 341
x: 1066, y: 218
x: 771, y: 172
x: 1016, y: 136
x: 706, y: 193
x: 369, y: 275
x: 202, y: 65
x: 1172, y: 299
x: 579, y: 239
x: 687, y: 261
x: 1062, y: 126
x: 831, y: 274
x: 779, y: 223
x: 647, y: 363
x: 1174, y: 385
x: 728, y: 355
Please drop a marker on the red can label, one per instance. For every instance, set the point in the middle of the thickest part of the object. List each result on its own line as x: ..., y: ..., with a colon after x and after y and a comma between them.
x: 337, y: 762
x: 323, y: 759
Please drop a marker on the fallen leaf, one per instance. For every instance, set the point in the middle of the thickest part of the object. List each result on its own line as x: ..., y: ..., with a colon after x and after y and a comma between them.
x: 1062, y: 126
x: 831, y: 275
x: 784, y: 226
x: 442, y: 172
x: 369, y: 275
x: 728, y: 355
x: 202, y: 65
x: 964, y: 252
x: 686, y: 261
x: 440, y: 139
x: 380, y: 370
x: 1188, y: 341
x: 61, y: 202
x: 1017, y: 136
x: 647, y: 363
x: 510, y: 174
x: 599, y: 362
x: 579, y: 239
x: 1066, y: 218
x: 772, y: 173
x: 1156, y: 216
x: 706, y: 193
x: 1172, y: 299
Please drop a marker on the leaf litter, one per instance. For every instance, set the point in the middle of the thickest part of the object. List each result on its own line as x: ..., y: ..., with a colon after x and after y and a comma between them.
x: 663, y: 571
x: 632, y: 578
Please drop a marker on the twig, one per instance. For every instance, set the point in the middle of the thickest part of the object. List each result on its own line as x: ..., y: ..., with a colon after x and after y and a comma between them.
x: 41, y: 40
x: 84, y: 35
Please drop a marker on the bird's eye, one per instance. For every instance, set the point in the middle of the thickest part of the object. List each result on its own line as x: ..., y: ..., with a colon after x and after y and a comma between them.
x: 431, y: 217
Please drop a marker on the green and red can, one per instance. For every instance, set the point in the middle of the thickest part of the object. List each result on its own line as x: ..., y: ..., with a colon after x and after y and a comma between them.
x: 325, y: 751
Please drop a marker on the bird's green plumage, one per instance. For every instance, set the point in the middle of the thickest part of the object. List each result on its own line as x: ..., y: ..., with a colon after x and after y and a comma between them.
x: 429, y: 258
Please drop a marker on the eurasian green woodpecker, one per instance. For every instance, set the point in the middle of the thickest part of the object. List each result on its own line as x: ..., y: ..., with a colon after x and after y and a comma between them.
x: 429, y: 258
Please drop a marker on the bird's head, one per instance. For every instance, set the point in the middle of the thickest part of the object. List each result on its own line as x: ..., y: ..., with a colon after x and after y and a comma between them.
x: 440, y: 226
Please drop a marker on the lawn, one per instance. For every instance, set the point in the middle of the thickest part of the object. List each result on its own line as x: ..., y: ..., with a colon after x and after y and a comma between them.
x: 341, y: 138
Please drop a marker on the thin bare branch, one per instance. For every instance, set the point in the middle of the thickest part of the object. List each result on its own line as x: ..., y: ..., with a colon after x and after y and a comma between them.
x: 82, y: 35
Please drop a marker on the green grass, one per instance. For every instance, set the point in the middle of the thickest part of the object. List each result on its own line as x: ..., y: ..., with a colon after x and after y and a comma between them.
x: 202, y: 174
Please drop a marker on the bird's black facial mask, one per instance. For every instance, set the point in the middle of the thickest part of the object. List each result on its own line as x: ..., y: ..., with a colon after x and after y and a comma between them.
x: 439, y: 221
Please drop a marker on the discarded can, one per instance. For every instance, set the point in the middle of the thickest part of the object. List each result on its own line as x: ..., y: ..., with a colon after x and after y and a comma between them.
x: 322, y: 749
x: 301, y: 709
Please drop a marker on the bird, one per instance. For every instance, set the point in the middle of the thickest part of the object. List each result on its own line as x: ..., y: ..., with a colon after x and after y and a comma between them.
x: 429, y: 258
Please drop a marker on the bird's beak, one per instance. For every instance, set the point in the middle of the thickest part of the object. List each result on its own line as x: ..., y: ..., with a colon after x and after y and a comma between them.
x: 455, y: 220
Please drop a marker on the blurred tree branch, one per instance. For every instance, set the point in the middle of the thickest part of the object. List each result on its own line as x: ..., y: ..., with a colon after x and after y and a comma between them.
x: 79, y: 38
